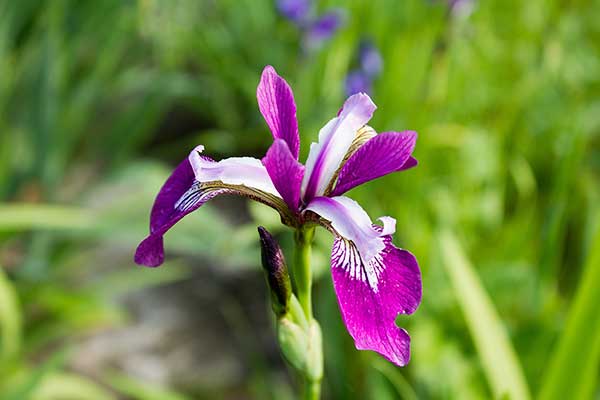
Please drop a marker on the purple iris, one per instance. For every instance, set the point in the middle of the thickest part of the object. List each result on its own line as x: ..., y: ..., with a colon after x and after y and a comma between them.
x: 370, y: 65
x: 316, y: 29
x: 373, y: 279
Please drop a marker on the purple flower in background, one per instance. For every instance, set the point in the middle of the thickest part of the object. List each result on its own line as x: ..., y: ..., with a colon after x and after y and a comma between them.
x: 316, y: 30
x: 370, y: 59
x: 357, y: 82
x: 370, y: 65
x: 461, y: 8
x: 373, y: 279
x: 294, y: 10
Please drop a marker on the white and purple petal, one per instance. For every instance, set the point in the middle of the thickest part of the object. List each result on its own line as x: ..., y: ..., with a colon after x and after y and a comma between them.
x: 335, y: 138
x: 277, y: 105
x: 285, y: 171
x: 383, y: 154
x: 196, y: 180
x: 180, y: 195
x: 374, y: 280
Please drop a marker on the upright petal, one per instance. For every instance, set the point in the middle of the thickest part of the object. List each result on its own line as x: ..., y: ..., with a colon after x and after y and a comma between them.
x: 385, y: 153
x: 285, y: 172
x: 374, y: 280
x: 277, y: 105
x: 335, y: 139
x: 195, y: 181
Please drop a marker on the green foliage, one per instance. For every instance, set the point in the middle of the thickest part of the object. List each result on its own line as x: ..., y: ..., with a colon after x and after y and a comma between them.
x: 99, y: 100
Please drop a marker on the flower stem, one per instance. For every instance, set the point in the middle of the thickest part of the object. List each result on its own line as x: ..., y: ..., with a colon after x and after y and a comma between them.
x: 302, y: 270
x: 303, y: 279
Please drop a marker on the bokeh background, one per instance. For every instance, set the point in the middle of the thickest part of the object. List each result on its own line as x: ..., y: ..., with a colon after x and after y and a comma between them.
x: 100, y: 100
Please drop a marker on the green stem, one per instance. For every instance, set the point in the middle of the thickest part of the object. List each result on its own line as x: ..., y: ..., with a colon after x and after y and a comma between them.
x: 303, y: 279
x: 302, y: 270
x: 312, y: 390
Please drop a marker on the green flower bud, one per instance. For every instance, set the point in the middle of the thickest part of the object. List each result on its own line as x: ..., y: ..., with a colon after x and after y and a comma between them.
x: 276, y: 272
x: 293, y: 342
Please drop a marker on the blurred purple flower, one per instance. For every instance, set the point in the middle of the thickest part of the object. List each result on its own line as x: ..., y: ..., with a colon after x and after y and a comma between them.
x: 315, y: 29
x: 357, y: 82
x: 374, y: 280
x: 461, y: 8
x: 294, y: 10
x: 370, y: 65
x: 370, y: 59
x: 323, y: 28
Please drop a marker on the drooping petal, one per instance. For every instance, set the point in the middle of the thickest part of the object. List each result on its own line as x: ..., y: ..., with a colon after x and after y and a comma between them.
x: 277, y: 105
x: 385, y: 153
x: 246, y: 171
x: 179, y: 196
x: 370, y: 314
x: 195, y: 181
x: 374, y: 280
x: 285, y: 172
x: 335, y: 139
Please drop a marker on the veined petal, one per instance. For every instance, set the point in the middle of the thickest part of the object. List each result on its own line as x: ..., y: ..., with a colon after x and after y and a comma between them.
x: 385, y: 153
x: 195, y: 181
x: 374, y: 280
x: 350, y: 221
x: 179, y: 196
x: 246, y: 171
x: 335, y: 139
x: 370, y: 314
x: 277, y: 105
x: 285, y: 172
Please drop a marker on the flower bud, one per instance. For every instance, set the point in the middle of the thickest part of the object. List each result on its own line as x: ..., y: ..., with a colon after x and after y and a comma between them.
x: 276, y: 272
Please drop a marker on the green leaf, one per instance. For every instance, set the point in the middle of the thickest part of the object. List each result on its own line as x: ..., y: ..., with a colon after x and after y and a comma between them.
x: 573, y: 370
x: 10, y: 319
x: 63, y: 386
x: 19, y: 217
x: 500, y: 363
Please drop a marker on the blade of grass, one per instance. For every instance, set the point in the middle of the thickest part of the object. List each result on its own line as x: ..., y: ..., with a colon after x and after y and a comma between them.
x: 19, y: 217
x: 500, y: 363
x: 10, y: 319
x: 573, y: 370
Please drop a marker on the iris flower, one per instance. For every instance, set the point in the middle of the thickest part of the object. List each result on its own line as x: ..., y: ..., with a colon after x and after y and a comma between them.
x: 316, y: 28
x: 374, y: 280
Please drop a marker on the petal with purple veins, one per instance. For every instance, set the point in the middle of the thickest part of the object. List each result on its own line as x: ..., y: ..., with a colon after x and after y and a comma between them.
x: 286, y: 173
x: 374, y: 280
x: 385, y: 153
x: 335, y: 138
x: 278, y: 107
x: 196, y: 180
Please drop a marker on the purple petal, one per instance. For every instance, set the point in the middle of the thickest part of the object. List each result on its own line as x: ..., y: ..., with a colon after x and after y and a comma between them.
x: 168, y: 209
x: 277, y: 105
x: 294, y: 10
x: 374, y: 280
x: 370, y: 314
x: 285, y: 172
x: 335, y: 139
x: 385, y: 153
x: 195, y: 181
x: 357, y: 82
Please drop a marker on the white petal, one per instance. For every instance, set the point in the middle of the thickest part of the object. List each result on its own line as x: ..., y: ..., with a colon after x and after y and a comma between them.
x: 246, y: 171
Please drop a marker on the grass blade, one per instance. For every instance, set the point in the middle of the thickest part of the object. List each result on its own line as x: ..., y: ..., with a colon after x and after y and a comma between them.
x: 10, y: 319
x: 573, y: 369
x: 500, y: 363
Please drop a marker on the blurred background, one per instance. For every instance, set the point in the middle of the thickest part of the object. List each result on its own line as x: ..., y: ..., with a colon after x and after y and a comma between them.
x: 100, y: 100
